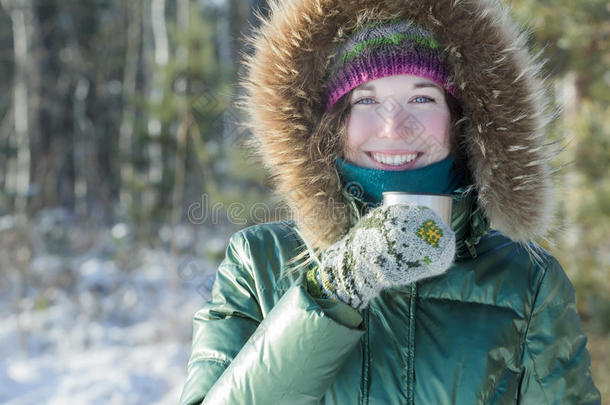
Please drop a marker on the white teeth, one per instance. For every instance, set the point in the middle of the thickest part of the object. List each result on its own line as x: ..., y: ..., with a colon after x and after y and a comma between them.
x: 394, y: 160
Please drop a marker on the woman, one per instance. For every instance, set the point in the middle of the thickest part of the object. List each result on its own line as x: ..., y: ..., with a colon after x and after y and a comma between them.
x: 348, y: 99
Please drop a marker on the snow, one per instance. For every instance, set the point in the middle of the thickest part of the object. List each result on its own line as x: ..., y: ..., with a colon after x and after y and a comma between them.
x: 108, y: 325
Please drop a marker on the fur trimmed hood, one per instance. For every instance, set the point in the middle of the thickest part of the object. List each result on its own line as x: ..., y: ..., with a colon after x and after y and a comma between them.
x: 502, y: 96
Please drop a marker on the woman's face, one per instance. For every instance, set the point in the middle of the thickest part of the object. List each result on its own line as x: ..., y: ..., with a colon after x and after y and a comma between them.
x: 399, y: 122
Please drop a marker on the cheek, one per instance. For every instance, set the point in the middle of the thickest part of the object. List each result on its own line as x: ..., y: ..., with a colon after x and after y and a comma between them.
x: 436, y: 127
x: 360, y: 127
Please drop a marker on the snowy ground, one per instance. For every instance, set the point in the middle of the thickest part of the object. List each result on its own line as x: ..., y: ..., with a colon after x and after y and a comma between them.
x: 111, y: 325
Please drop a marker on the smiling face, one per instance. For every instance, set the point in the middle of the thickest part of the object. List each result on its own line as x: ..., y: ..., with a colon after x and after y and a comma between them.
x: 398, y: 122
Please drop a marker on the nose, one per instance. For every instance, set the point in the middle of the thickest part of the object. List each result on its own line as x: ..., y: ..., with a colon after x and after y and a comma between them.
x: 396, y: 122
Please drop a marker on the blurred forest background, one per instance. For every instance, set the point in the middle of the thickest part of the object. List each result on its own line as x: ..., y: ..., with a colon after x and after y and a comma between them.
x: 120, y: 152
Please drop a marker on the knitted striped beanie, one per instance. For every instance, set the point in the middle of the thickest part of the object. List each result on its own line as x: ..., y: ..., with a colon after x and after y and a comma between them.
x: 385, y: 48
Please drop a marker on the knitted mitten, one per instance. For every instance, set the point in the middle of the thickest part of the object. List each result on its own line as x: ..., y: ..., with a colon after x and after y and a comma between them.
x: 390, y: 246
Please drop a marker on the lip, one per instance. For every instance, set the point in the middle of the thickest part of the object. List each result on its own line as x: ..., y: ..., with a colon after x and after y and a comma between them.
x: 406, y: 166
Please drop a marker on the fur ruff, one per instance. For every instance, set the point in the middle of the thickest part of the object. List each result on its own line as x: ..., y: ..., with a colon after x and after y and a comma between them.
x: 503, y: 96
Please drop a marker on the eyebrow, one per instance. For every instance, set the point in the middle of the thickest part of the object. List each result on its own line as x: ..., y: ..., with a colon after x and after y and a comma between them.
x: 419, y: 85
x: 364, y: 87
x: 427, y: 84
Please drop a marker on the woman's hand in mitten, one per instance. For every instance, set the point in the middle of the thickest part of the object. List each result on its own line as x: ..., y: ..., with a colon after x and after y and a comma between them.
x: 390, y: 246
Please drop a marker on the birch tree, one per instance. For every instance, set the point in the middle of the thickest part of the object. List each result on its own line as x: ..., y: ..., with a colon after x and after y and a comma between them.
x: 158, y: 23
x: 18, y: 177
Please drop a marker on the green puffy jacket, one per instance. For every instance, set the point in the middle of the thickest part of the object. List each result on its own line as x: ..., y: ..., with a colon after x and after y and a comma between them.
x: 496, y: 328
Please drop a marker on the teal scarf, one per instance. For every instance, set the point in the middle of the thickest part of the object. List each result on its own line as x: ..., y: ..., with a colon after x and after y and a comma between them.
x: 368, y: 184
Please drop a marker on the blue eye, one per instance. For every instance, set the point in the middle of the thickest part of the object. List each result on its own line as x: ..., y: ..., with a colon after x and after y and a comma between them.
x: 422, y: 99
x: 365, y: 100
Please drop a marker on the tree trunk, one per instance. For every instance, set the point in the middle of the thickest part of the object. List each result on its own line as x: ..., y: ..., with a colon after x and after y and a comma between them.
x: 158, y: 23
x: 21, y: 16
x: 52, y: 84
x: 130, y: 74
x: 19, y: 177
x: 182, y: 87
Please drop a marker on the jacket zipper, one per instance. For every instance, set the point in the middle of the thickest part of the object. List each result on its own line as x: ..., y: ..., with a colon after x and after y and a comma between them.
x: 411, y: 348
x: 364, y: 380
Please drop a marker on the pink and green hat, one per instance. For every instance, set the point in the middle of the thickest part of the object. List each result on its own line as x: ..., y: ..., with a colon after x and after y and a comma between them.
x: 381, y: 49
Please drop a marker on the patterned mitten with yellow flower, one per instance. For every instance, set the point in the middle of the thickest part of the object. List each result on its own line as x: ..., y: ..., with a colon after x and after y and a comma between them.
x: 390, y: 246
